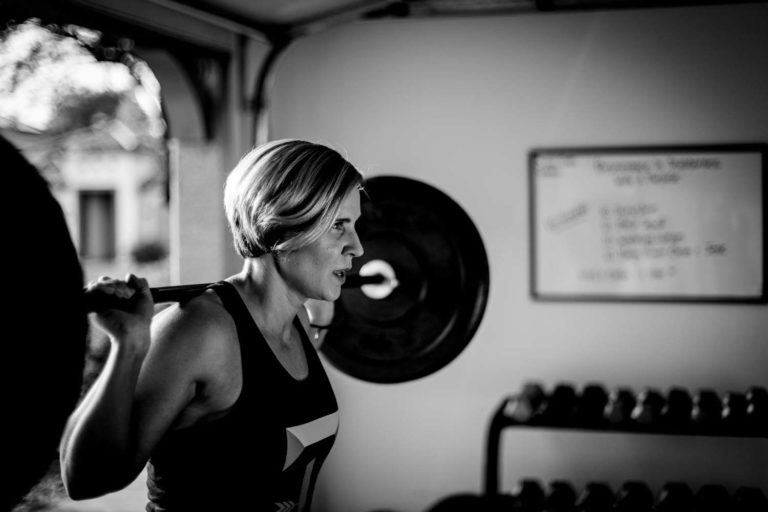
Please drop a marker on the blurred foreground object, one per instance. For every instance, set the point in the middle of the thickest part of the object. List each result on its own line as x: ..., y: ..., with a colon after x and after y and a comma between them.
x: 43, y: 360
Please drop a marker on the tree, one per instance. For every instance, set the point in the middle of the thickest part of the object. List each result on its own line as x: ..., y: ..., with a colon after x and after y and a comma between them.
x: 52, y: 82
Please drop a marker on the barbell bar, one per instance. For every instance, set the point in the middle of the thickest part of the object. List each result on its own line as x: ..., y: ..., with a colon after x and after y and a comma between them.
x: 180, y: 293
x: 411, y: 302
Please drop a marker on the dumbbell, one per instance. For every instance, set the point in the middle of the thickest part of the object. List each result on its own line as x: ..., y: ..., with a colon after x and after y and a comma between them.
x: 647, y: 411
x: 590, y: 406
x: 757, y: 411
x: 675, y: 497
x: 734, y: 414
x: 459, y: 503
x: 749, y: 499
x: 618, y: 410
x: 707, y: 411
x: 560, y: 406
x: 596, y: 497
x: 677, y: 410
x: 560, y: 497
x: 524, y: 406
x: 528, y: 496
x: 712, y: 498
x: 502, y: 502
x: 634, y: 496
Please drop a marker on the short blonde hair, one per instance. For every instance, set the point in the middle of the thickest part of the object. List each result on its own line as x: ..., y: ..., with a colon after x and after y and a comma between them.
x: 285, y: 194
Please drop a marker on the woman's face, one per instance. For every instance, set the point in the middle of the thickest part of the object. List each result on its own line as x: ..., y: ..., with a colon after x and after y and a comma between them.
x: 318, y: 270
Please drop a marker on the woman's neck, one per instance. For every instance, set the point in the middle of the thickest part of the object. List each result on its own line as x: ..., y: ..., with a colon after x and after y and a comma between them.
x: 271, y: 303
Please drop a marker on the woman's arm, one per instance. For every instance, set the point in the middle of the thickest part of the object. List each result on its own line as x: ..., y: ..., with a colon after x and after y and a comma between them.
x: 140, y: 392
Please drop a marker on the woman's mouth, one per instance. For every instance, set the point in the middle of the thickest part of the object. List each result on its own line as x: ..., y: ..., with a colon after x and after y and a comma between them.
x: 340, y: 274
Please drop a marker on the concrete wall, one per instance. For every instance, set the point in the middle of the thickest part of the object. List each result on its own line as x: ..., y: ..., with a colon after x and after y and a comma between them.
x: 457, y: 103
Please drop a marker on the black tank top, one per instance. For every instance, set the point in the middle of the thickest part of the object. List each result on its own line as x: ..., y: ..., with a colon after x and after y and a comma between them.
x: 266, y: 452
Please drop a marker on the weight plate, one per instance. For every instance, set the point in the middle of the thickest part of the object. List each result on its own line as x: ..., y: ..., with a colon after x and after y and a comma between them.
x: 442, y: 271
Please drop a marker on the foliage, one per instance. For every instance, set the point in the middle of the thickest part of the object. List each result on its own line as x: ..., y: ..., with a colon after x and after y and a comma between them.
x: 51, y: 80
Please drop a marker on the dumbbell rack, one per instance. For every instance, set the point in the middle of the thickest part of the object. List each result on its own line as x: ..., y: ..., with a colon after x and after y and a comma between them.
x: 500, y: 420
x: 632, y: 496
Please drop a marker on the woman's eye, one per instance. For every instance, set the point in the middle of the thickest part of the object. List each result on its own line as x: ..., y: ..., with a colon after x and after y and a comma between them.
x: 338, y: 226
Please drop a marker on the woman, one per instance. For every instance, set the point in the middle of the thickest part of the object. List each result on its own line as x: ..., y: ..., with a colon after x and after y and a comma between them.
x: 224, y: 396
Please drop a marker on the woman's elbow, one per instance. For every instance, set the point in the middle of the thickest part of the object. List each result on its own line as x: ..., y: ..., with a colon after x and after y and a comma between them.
x: 79, y: 492
x: 79, y: 489
x: 82, y: 486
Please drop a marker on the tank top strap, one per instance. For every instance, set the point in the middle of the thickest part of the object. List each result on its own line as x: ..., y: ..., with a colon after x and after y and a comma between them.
x: 313, y: 360
x: 248, y: 333
x: 254, y: 345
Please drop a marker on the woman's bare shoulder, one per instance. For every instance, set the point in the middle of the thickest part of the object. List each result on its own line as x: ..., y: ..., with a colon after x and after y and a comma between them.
x: 199, y: 327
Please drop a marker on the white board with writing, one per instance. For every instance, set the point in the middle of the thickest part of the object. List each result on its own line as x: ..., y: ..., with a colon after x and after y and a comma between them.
x: 648, y: 223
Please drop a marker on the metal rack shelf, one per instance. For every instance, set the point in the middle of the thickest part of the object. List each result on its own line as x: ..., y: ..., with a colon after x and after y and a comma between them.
x: 537, y: 414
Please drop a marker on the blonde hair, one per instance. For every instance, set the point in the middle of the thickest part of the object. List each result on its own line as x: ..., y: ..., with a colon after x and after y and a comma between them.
x: 285, y: 194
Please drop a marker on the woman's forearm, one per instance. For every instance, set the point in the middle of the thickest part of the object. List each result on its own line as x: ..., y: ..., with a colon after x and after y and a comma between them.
x: 98, y: 452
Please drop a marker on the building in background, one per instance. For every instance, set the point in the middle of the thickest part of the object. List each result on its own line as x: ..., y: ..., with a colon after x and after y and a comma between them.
x: 112, y: 187
x: 87, y: 114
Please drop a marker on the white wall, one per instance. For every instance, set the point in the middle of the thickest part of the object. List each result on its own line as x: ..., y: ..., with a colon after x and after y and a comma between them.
x: 457, y: 103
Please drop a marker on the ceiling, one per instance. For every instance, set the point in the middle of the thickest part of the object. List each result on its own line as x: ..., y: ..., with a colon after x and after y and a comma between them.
x: 295, y: 13
x: 280, y: 18
x: 276, y: 20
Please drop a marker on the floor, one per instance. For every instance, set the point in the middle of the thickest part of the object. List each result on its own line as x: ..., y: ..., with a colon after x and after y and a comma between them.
x: 131, y: 499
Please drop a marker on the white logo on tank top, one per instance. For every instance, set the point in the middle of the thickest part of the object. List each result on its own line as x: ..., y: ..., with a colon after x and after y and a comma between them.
x: 299, y: 437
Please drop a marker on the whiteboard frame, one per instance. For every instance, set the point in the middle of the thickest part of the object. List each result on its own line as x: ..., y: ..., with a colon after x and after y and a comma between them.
x: 661, y: 150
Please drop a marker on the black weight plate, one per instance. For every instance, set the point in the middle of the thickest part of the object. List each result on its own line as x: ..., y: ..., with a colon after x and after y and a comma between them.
x: 441, y: 265
x: 46, y: 323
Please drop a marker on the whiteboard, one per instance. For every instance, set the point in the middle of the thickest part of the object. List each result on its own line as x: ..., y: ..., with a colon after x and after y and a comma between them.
x: 663, y: 223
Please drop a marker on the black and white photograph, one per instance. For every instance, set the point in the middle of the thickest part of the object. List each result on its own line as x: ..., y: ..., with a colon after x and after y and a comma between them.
x: 385, y: 255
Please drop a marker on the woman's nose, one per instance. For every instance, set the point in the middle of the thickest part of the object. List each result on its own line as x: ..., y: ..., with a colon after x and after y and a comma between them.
x: 355, y: 247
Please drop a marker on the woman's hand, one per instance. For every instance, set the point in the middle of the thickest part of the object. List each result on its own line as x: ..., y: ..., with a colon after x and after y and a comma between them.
x: 127, y: 307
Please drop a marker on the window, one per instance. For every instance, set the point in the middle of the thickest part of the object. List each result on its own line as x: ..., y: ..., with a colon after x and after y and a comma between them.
x: 97, y: 224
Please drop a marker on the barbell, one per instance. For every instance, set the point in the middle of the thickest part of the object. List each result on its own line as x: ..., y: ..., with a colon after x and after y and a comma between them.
x: 183, y: 292
x: 412, y: 301
x: 410, y: 305
x: 45, y: 338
